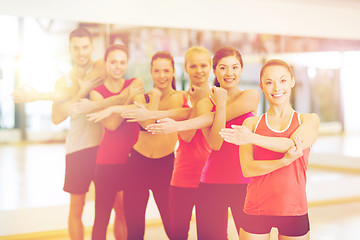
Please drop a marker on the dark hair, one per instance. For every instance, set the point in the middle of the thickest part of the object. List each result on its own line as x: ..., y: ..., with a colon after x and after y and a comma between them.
x: 116, y: 47
x: 80, y: 32
x: 166, y: 55
x: 275, y: 62
x: 225, y: 52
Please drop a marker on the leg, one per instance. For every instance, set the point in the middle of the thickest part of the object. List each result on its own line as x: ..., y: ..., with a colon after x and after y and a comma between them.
x: 161, y: 196
x: 250, y: 236
x: 212, y: 212
x: 293, y: 227
x: 104, y: 200
x: 135, y: 201
x: 79, y: 172
x: 181, y: 203
x: 120, y: 230
x: 75, y: 225
x: 237, y: 196
x: 136, y: 196
x: 160, y: 185
x: 304, y: 237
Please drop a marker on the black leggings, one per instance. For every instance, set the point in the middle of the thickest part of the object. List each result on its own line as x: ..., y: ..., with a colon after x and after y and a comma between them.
x: 212, y: 214
x: 109, y: 179
x: 147, y: 174
x: 182, y: 202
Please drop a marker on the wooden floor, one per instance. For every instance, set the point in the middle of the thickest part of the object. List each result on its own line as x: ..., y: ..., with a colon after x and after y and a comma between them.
x: 33, y: 205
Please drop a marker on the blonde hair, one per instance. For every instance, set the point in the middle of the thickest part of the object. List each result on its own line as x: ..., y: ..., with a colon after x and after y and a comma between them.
x: 194, y: 50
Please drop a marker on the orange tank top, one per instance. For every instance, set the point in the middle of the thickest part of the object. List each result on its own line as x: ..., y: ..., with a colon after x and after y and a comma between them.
x: 283, y: 191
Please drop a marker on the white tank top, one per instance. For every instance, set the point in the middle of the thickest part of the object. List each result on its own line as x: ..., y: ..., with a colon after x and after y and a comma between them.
x: 82, y: 133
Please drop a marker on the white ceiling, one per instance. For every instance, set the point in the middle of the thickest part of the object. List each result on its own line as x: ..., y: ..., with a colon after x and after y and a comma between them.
x: 313, y: 18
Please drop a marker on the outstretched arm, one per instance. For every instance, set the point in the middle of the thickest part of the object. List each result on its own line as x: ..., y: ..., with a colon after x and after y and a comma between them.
x: 247, y: 102
x: 110, y: 112
x: 62, y: 109
x: 253, y: 168
x: 26, y: 93
x: 143, y: 114
x: 88, y: 106
x: 168, y: 125
x: 107, y: 117
x: 241, y: 135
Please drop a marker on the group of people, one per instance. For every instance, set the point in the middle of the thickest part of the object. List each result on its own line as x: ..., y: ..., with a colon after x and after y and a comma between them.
x: 203, y: 147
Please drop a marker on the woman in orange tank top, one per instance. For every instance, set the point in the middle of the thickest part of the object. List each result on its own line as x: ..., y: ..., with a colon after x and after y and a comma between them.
x: 274, y: 149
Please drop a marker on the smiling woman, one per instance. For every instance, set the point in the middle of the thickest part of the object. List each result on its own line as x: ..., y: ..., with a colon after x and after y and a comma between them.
x: 35, y: 51
x: 274, y: 151
x: 151, y: 160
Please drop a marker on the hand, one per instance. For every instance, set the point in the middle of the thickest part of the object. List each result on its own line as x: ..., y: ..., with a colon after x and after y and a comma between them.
x: 196, y: 94
x: 218, y: 95
x: 137, y: 115
x: 84, y: 106
x: 25, y: 94
x: 295, y: 151
x: 163, y: 126
x: 98, y: 116
x: 238, y: 135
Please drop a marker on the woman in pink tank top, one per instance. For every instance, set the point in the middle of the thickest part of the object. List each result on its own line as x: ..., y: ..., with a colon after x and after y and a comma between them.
x: 118, y: 140
x: 222, y: 185
x: 274, y: 150
x: 193, y: 150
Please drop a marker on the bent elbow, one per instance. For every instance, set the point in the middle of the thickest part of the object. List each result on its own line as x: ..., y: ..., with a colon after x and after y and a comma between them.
x: 246, y: 172
x: 55, y: 120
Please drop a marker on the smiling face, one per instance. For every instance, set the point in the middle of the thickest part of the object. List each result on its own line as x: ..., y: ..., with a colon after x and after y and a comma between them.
x: 162, y: 73
x: 197, y: 66
x: 116, y: 64
x: 228, y: 72
x: 276, y: 82
x: 81, y: 49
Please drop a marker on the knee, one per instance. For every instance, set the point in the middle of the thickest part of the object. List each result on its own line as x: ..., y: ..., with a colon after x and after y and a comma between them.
x: 77, y: 207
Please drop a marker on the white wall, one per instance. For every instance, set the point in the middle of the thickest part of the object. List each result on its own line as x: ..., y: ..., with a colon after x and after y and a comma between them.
x: 350, y: 84
x: 318, y: 18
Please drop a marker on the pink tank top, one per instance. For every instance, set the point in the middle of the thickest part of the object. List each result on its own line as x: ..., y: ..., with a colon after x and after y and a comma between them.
x: 281, y: 192
x: 190, y: 159
x: 116, y: 145
x: 223, y: 166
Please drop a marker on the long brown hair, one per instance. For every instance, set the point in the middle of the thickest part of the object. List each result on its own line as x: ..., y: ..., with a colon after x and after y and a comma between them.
x: 166, y: 55
x: 225, y: 52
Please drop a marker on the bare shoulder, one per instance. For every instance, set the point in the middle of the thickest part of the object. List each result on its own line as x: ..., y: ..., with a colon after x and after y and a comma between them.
x: 251, y: 122
x: 204, y: 106
x: 310, y: 118
x: 178, y: 93
x: 99, y: 64
x: 95, y: 96
x: 250, y: 93
x: 177, y: 98
x: 62, y: 84
x: 139, y: 98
